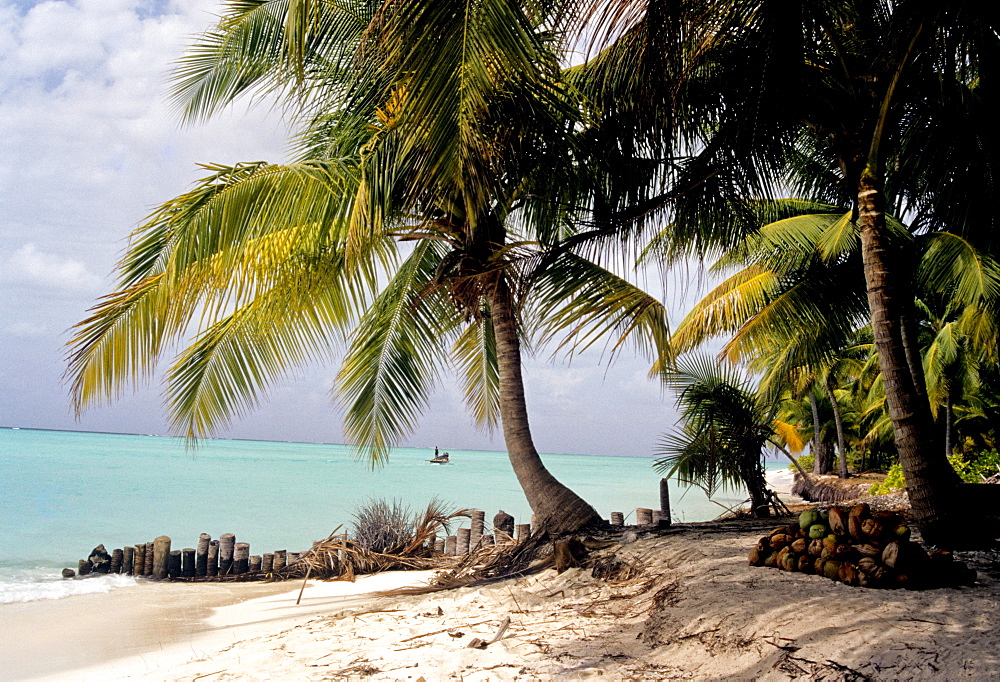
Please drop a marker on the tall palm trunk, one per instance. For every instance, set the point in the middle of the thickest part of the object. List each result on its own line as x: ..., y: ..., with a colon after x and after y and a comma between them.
x: 822, y: 461
x: 839, y: 421
x: 556, y: 507
x: 930, y: 480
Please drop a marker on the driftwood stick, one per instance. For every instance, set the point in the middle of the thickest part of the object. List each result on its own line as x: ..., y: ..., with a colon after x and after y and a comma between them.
x: 438, y: 632
x: 306, y: 580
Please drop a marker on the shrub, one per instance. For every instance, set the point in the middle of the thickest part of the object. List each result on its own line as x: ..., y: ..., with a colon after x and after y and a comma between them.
x: 380, y: 526
x: 972, y: 470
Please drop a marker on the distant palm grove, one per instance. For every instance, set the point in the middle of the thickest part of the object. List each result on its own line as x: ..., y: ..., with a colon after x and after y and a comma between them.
x: 470, y: 177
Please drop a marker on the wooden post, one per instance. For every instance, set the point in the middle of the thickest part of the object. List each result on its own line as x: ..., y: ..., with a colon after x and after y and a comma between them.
x: 161, y: 556
x: 522, y: 531
x: 139, y: 562
x: 128, y: 561
x: 84, y: 566
x: 189, y: 562
x: 462, y: 538
x: 478, y: 522
x: 241, y: 558
x: 292, y: 558
x: 503, y: 526
x: 148, y: 568
x: 227, y: 543
x: 664, y: 503
x: 280, y: 559
x: 117, y: 556
x: 439, y: 545
x: 617, y: 519
x: 643, y: 516
x: 174, y: 564
x: 432, y: 541
x: 267, y: 563
x: 450, y: 545
x: 201, y: 555
x: 255, y: 563
x: 213, y: 558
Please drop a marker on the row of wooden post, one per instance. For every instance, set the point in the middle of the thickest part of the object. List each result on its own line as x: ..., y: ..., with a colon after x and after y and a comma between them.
x: 210, y: 558
x: 466, y: 540
x: 649, y: 517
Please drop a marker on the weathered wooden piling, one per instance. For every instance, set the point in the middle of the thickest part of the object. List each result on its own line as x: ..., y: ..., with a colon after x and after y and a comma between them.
x: 462, y: 537
x: 147, y: 569
x: 201, y: 555
x: 139, y: 563
x: 522, y: 532
x: 255, y: 563
x: 241, y: 558
x: 451, y: 545
x: 117, y: 556
x: 292, y: 558
x: 213, y: 558
x: 83, y: 567
x: 174, y: 564
x: 227, y: 544
x: 478, y: 523
x: 128, y: 561
x: 643, y: 516
x: 664, y: 503
x: 280, y: 559
x: 161, y: 556
x: 189, y: 567
x: 617, y: 519
x: 267, y: 563
x: 439, y: 545
x: 503, y: 526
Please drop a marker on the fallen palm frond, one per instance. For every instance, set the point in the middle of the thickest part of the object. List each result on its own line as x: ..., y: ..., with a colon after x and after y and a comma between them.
x: 340, y: 558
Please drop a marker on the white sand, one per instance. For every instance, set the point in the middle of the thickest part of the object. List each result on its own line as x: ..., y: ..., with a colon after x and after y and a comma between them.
x: 697, y: 611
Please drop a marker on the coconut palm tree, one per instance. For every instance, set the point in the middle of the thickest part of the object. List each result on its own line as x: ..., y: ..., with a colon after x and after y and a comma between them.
x: 430, y: 204
x: 724, y: 428
x: 896, y: 98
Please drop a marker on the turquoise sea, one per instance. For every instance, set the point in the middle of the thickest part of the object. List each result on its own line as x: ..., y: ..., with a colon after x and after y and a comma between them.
x: 65, y: 492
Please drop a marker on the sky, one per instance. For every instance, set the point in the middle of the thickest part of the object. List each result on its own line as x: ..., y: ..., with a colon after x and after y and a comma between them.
x: 89, y: 144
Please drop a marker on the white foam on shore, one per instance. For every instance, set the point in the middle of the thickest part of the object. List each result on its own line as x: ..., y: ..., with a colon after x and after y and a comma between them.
x: 56, y: 587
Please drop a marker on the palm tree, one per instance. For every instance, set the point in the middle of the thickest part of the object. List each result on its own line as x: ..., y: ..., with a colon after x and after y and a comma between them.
x: 892, y: 100
x: 724, y: 428
x: 426, y: 210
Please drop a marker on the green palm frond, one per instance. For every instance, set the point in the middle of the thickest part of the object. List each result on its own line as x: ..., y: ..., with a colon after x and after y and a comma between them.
x: 222, y: 374
x: 476, y: 360
x: 396, y: 354
x: 584, y: 303
x: 119, y: 343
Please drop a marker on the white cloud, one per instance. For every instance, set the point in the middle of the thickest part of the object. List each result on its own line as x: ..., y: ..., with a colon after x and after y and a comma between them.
x: 28, y: 265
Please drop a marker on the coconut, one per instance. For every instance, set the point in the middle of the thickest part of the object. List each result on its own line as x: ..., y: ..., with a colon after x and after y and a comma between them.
x: 810, y: 517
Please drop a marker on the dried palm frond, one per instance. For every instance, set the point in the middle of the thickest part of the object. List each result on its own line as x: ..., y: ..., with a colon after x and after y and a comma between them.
x: 340, y: 558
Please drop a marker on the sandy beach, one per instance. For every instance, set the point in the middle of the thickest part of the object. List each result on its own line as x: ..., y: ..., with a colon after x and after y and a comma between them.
x: 689, y: 608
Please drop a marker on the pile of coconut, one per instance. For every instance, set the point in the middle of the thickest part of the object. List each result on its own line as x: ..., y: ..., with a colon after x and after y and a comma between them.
x: 858, y: 547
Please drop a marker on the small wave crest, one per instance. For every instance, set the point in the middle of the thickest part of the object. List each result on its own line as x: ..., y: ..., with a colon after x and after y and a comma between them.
x: 53, y: 587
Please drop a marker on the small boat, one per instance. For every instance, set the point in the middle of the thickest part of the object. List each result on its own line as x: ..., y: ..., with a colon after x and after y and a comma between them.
x: 441, y: 459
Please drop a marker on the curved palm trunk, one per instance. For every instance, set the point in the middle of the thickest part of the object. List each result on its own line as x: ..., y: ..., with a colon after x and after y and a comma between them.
x: 556, y: 507
x: 930, y: 480
x: 838, y: 420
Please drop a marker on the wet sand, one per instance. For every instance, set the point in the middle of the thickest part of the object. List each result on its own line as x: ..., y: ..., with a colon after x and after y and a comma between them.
x: 53, y: 637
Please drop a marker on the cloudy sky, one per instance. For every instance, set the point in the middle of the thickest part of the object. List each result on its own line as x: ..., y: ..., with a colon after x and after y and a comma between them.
x: 89, y: 144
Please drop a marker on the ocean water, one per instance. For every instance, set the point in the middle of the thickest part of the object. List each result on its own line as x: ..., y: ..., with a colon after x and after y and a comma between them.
x: 63, y: 493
